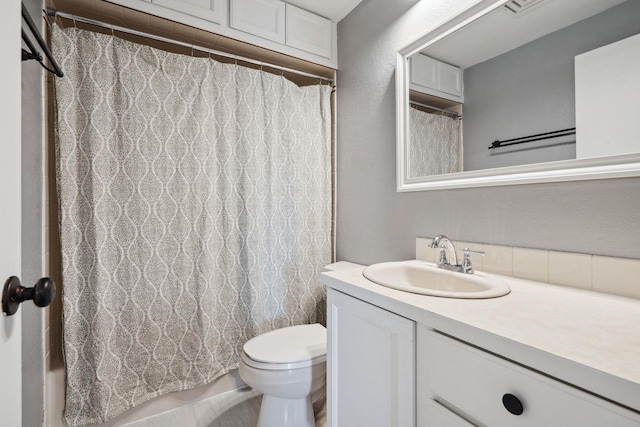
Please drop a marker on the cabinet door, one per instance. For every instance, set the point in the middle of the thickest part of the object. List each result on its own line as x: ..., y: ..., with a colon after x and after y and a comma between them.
x: 449, y: 79
x: 262, y: 18
x: 608, y: 77
x: 309, y: 32
x: 209, y: 10
x: 424, y: 71
x: 371, y: 365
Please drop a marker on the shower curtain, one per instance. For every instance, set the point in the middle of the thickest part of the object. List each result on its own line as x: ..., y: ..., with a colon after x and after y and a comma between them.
x: 434, y: 142
x: 195, y: 213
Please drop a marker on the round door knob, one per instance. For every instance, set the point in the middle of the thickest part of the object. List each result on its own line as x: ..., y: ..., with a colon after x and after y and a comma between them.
x: 512, y: 404
x: 14, y: 293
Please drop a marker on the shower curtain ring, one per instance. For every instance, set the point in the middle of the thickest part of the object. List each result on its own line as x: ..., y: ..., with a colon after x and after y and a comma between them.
x: 55, y: 19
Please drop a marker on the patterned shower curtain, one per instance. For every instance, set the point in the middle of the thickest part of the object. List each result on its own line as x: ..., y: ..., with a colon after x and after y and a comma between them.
x: 434, y: 141
x: 195, y: 213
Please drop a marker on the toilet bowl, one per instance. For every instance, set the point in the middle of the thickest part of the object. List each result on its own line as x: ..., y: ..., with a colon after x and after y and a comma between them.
x: 288, y: 366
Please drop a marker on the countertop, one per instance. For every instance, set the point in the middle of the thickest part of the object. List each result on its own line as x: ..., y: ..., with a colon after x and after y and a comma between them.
x: 587, y: 339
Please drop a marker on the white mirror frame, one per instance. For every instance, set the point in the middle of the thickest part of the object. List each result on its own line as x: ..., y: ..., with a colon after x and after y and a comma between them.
x: 621, y: 166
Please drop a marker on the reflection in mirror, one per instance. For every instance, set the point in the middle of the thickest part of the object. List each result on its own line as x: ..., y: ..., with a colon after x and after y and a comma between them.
x: 555, y: 81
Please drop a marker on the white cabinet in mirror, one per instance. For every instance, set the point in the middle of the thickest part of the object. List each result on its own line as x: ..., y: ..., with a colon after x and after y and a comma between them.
x: 497, y: 97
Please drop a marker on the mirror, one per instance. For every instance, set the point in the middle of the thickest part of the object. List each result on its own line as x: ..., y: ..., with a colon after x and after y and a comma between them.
x: 520, y: 92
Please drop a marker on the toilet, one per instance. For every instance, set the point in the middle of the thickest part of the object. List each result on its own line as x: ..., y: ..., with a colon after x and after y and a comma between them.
x: 288, y: 366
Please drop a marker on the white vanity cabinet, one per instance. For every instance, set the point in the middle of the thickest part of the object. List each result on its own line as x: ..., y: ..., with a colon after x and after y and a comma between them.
x: 542, y: 355
x: 371, y: 365
x: 474, y: 387
x: 436, y: 78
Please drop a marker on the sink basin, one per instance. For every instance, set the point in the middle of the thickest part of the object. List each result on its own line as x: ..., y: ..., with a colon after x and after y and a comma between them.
x: 424, y: 278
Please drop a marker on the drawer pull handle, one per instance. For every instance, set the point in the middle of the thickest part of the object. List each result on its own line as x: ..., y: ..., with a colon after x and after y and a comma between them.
x: 512, y: 404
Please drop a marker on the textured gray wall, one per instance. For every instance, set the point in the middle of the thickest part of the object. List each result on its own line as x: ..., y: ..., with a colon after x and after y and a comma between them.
x: 531, y: 90
x: 375, y: 223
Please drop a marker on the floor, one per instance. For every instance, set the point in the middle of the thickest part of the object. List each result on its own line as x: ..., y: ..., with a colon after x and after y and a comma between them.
x: 245, y: 413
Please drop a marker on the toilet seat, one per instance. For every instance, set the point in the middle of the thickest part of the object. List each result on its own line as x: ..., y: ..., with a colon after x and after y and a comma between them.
x: 294, y: 347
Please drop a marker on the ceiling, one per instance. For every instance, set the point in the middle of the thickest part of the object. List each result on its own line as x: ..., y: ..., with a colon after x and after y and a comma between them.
x: 502, y: 31
x: 332, y: 9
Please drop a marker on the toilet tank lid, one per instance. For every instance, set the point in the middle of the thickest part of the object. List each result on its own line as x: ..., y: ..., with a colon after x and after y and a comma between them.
x: 341, y: 265
x: 288, y: 345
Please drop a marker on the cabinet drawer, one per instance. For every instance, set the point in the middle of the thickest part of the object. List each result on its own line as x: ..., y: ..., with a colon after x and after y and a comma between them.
x: 443, y: 417
x: 475, y: 382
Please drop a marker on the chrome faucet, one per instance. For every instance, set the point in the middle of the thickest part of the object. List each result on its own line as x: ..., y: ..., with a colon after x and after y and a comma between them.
x: 445, y: 244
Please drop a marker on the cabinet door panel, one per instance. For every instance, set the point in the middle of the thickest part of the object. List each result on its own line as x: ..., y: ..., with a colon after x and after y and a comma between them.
x: 449, y: 79
x: 608, y: 76
x: 424, y: 71
x: 209, y: 10
x: 263, y: 18
x: 371, y: 365
x: 308, y: 32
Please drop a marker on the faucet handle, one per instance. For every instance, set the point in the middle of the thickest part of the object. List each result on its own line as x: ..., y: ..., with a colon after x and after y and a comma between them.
x: 467, y: 251
x: 466, y: 260
x: 443, y: 255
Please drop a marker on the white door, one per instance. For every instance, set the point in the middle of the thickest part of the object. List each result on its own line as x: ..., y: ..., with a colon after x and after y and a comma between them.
x: 10, y: 334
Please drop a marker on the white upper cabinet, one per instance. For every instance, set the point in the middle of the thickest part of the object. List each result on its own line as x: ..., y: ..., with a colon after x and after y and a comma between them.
x: 308, y: 31
x: 270, y: 24
x: 210, y: 10
x: 263, y: 18
x: 436, y: 78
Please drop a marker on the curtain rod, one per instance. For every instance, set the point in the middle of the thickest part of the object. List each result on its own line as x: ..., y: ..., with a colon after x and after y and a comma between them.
x: 451, y: 113
x: 55, y: 13
x: 34, y: 53
x: 532, y: 138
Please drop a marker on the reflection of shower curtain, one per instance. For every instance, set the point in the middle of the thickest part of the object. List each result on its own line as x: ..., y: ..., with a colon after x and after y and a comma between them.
x: 433, y: 144
x: 195, y: 202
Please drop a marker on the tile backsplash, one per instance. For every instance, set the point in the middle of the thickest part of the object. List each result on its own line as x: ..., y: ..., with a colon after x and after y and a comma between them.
x: 617, y: 276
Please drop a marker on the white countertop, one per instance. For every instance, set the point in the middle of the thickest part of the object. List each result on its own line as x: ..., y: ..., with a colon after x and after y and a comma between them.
x: 584, y: 338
